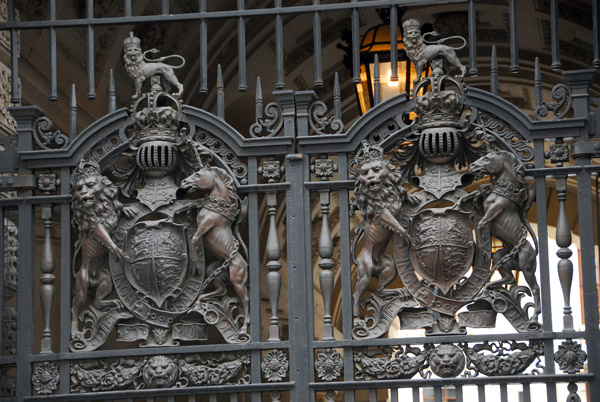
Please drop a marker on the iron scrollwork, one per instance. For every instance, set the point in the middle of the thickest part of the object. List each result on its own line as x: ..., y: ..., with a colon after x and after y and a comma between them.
x: 176, y: 207
x: 47, y: 137
x: 502, y: 358
x: 442, y: 235
x: 319, y: 122
x: 562, y: 96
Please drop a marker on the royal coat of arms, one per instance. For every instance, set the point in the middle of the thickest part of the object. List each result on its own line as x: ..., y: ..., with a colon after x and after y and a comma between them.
x: 440, y: 228
x: 143, y: 233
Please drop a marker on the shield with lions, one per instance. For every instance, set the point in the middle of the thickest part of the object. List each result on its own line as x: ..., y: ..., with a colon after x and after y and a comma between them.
x: 158, y: 259
x: 442, y: 247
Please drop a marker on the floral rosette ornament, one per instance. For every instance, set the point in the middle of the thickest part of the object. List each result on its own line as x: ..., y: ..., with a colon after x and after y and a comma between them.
x: 329, y: 365
x: 275, y: 366
x: 45, y: 378
x: 570, y: 357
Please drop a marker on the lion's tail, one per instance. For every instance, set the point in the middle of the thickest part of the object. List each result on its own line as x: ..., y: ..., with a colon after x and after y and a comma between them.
x: 359, y: 233
x: 77, y: 250
x: 441, y: 41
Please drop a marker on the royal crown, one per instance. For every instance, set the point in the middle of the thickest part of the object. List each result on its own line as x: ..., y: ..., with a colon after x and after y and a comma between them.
x: 131, y: 42
x: 411, y: 24
x: 85, y: 169
x: 368, y: 153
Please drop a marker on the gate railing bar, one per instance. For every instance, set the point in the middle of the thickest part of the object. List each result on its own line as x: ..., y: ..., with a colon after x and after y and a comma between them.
x: 554, y: 38
x: 156, y: 392
x: 53, y: 67
x: 203, y: 49
x: 494, y: 72
x: 220, y: 94
x: 7, y: 360
x: 165, y: 7
x: 514, y: 38
x: 481, y: 393
x: 225, y: 14
x: 65, y: 279
x: 459, y: 393
x: 90, y: 51
x: 242, y: 85
x: 355, y: 45
x: 127, y: 8
x: 452, y: 339
x: 187, y: 349
x: 537, y: 83
x: 112, y: 94
x: 472, y: 39
x: 2, y: 280
x: 14, y: 55
x: 462, y: 381
x: 394, y: 42
x: 317, y: 51
x: 279, y: 68
x: 596, y: 33
x: 25, y: 303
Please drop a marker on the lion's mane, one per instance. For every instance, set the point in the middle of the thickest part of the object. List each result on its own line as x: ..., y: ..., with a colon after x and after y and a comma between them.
x: 390, y: 196
x: 133, y: 63
x: 106, y: 210
x: 414, y: 50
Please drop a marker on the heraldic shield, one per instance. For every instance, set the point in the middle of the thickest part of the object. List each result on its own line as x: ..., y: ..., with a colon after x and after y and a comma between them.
x: 442, y: 247
x: 158, y: 259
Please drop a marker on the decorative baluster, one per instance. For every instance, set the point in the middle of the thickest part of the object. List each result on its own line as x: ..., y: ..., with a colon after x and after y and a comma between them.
x: 323, y: 169
x: 52, y: 31
x: 112, y: 94
x: 259, y: 100
x: 271, y: 170
x: 47, y: 183
x: 280, y: 84
x: 563, y: 240
x: 472, y: 39
x: 494, y: 72
x: 558, y: 154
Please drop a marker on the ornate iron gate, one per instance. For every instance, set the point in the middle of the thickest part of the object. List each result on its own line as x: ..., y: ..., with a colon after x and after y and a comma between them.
x: 152, y: 247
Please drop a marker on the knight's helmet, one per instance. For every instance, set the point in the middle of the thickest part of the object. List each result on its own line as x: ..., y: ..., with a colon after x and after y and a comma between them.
x: 157, y: 117
x: 439, y: 119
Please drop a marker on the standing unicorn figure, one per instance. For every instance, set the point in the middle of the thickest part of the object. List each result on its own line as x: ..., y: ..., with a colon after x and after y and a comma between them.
x: 219, y: 215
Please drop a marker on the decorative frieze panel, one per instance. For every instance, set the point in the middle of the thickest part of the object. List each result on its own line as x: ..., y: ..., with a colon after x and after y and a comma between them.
x: 160, y: 371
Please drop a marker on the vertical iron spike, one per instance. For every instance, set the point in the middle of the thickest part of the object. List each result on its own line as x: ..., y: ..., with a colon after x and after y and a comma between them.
x: 73, y: 113
x: 280, y: 83
x: 15, y: 96
x: 165, y: 7
x: 127, y: 8
x: 242, y: 85
x: 554, y: 37
x: 537, y: 83
x: 394, y: 42
x: 112, y: 96
x: 514, y: 38
x: 355, y: 46
x: 377, y: 83
x: 337, y: 97
x: 90, y: 52
x: 259, y: 100
x: 596, y: 33
x: 494, y: 72
x: 220, y: 94
x: 317, y: 47
x: 203, y: 51
x: 472, y: 39
x: 563, y: 241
